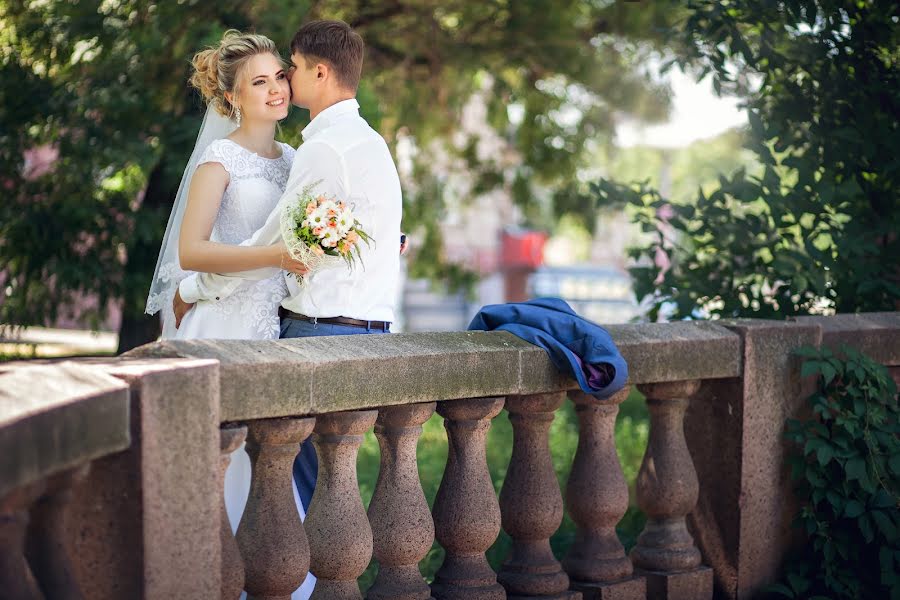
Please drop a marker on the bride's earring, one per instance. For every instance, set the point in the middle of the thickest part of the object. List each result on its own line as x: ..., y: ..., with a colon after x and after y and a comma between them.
x: 237, y: 117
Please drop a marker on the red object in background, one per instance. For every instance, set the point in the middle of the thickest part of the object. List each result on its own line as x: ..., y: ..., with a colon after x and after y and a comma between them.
x: 521, y: 252
x: 522, y: 249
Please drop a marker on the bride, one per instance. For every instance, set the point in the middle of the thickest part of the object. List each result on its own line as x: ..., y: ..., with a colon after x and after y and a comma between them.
x: 234, y: 179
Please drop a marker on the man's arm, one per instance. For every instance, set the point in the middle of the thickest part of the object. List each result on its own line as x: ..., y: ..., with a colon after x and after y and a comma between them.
x: 314, y: 162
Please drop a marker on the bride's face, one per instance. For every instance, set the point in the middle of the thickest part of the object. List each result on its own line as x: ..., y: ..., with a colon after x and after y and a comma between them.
x: 264, y: 92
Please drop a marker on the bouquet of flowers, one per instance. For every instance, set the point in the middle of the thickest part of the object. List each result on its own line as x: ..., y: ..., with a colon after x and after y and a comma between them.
x: 321, y: 231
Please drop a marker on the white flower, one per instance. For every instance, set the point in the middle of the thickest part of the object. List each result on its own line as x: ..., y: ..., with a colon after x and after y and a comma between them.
x: 345, y: 221
x: 329, y: 238
x: 318, y: 218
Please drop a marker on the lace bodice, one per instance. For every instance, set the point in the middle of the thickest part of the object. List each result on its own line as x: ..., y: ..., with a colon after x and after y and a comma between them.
x: 254, y: 187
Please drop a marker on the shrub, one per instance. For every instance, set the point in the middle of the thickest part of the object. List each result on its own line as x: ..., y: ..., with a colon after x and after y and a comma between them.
x: 846, y: 468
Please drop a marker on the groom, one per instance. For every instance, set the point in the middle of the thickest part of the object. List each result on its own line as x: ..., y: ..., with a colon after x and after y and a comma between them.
x: 351, y: 162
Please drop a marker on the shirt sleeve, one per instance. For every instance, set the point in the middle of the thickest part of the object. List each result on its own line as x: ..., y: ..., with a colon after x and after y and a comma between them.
x: 315, y: 164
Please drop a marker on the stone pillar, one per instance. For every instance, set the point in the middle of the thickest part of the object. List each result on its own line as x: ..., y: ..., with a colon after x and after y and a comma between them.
x: 232, y: 563
x: 340, y: 537
x: 16, y: 578
x: 597, y: 498
x: 734, y: 429
x: 531, y: 504
x: 47, y: 550
x: 148, y: 517
x: 270, y: 535
x: 667, y: 491
x: 401, y: 522
x: 466, y: 512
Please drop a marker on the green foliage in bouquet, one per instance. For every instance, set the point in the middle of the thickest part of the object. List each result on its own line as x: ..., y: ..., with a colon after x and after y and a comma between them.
x: 846, y: 469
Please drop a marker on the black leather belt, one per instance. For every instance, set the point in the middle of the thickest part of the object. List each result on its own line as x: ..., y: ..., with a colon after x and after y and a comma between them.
x: 382, y: 325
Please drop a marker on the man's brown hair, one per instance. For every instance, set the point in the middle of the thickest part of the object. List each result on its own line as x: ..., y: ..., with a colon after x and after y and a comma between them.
x: 334, y: 43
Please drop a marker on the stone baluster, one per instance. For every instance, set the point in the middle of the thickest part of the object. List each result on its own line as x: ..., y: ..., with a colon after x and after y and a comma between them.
x: 16, y: 578
x: 466, y: 512
x: 667, y: 490
x: 230, y: 439
x: 340, y: 537
x: 270, y: 535
x: 401, y: 522
x: 597, y: 498
x: 531, y: 503
x: 46, y: 548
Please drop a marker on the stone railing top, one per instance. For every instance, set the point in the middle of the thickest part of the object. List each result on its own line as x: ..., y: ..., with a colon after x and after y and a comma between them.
x: 273, y: 378
x: 874, y: 334
x: 57, y: 416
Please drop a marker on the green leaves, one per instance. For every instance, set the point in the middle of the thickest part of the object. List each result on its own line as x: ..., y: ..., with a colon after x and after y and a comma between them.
x: 844, y: 465
x: 853, y: 509
x: 824, y: 454
x: 895, y: 464
x: 815, y: 227
x: 855, y: 468
x: 105, y: 82
x: 782, y: 589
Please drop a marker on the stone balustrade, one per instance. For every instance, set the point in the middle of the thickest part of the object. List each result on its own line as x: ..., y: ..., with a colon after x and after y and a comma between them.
x: 55, y: 421
x: 709, y: 387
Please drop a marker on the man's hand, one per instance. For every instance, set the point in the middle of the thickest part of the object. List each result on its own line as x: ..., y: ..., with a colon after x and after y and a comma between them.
x: 180, y: 307
x: 404, y: 243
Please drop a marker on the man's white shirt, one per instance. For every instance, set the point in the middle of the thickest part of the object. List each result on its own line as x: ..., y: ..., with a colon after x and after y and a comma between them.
x: 351, y: 162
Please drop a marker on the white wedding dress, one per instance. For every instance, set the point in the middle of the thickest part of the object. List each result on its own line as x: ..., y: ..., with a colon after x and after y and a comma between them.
x: 254, y: 188
x: 251, y: 312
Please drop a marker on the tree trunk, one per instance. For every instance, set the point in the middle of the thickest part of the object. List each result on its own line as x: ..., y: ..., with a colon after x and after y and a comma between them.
x: 138, y: 328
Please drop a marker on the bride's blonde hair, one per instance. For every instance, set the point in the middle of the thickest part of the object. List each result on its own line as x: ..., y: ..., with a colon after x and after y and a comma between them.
x: 216, y: 68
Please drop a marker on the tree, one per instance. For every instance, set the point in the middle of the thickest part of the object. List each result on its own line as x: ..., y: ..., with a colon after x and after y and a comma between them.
x: 103, y: 85
x: 817, y: 229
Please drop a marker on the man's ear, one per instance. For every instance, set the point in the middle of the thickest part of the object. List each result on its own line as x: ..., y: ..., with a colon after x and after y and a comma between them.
x: 322, y: 72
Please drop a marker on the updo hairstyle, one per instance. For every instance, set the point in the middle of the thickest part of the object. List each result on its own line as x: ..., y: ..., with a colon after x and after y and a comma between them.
x: 216, y: 69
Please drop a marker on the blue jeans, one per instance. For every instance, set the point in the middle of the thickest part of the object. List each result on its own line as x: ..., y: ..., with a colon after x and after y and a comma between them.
x: 306, y: 464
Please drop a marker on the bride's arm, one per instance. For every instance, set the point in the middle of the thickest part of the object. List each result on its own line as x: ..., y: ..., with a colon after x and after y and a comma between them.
x: 196, y: 252
x: 315, y: 163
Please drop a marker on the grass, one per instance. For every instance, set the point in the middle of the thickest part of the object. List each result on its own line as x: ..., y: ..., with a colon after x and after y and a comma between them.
x: 631, y: 441
x: 32, y: 351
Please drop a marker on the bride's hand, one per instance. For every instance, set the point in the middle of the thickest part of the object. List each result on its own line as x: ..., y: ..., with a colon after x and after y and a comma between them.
x: 289, y: 263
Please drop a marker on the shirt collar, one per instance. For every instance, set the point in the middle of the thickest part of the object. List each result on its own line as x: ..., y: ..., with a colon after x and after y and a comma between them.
x: 329, y: 116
